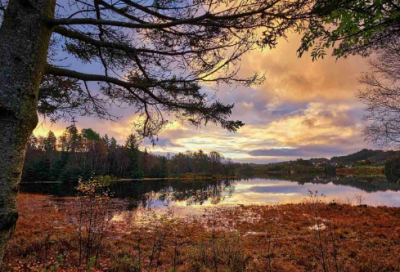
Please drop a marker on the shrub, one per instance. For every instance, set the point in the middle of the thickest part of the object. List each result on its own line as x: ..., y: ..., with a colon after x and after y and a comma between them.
x: 392, y: 169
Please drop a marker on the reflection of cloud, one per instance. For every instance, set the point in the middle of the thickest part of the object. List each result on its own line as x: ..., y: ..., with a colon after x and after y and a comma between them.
x: 276, y: 189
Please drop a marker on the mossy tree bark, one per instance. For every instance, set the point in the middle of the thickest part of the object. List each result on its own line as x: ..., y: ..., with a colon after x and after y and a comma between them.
x: 24, y: 41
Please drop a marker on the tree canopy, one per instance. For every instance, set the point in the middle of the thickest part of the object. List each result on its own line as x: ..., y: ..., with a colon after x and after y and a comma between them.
x: 350, y: 27
x: 100, y: 157
x: 157, y: 55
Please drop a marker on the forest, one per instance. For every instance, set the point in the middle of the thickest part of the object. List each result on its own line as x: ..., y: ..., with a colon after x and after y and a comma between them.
x: 85, y: 154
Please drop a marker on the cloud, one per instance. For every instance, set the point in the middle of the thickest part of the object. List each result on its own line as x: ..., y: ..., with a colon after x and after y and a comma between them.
x: 315, y: 129
x: 287, y: 108
x: 292, y: 79
x: 306, y: 151
x: 278, y: 152
x: 303, y: 109
x: 162, y: 142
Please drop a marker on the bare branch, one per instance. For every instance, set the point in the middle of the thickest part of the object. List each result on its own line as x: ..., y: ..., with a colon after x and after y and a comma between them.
x: 79, y: 36
x: 92, y: 77
x: 167, y: 50
x: 382, y: 97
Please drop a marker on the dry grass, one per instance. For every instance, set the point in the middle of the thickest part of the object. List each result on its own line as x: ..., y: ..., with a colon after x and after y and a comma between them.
x: 312, y: 236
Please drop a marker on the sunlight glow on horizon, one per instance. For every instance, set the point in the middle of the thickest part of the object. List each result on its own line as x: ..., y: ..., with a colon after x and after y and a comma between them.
x: 303, y: 106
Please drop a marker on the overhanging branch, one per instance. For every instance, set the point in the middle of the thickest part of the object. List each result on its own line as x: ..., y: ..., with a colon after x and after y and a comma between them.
x: 51, y: 70
x: 79, y: 36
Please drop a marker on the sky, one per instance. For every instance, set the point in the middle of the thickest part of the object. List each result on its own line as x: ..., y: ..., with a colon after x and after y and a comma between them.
x: 304, y: 109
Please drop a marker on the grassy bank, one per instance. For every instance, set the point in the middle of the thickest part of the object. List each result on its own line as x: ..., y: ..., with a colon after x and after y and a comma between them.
x: 312, y: 236
x: 289, y: 168
x: 361, y: 170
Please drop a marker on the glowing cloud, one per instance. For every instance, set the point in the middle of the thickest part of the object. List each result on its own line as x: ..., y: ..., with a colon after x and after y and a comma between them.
x: 304, y: 109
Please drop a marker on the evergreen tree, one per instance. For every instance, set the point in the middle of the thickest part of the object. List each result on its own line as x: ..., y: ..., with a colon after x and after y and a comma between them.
x: 106, y: 140
x: 39, y: 170
x: 145, y: 163
x: 133, y: 153
x: 113, y: 143
x: 90, y: 134
x: 62, y: 143
x: 81, y: 156
x: 50, y: 142
x: 58, y: 166
x: 164, y: 167
x: 72, y: 138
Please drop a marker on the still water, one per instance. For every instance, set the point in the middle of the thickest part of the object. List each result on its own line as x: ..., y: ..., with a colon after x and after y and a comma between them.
x: 180, y: 194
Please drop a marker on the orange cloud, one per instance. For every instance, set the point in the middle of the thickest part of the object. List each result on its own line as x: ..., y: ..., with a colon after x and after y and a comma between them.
x: 301, y: 104
x: 300, y: 79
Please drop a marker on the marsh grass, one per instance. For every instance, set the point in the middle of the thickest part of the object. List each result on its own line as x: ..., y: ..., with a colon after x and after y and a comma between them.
x: 90, y: 215
x: 312, y: 236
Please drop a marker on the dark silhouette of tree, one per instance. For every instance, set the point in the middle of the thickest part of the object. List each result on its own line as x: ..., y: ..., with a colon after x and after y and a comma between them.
x: 90, y: 134
x: 350, y: 27
x: 133, y: 153
x: 381, y: 96
x: 96, y: 159
x: 106, y: 140
x: 50, y: 143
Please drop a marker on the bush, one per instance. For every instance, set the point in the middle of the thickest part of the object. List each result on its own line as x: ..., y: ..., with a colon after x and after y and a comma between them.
x: 392, y: 169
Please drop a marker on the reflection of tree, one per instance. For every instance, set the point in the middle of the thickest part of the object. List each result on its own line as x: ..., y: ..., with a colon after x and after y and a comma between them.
x: 144, y: 193
x: 48, y: 189
x: 366, y: 183
x: 193, y: 192
x: 150, y: 193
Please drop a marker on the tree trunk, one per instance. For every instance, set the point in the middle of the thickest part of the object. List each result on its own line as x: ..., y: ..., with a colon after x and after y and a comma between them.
x: 24, y: 41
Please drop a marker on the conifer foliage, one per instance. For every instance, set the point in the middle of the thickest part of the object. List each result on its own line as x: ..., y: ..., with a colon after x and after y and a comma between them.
x: 86, y: 154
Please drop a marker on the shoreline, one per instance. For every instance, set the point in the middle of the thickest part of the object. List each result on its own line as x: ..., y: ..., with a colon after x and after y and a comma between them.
x: 374, y: 172
x: 219, y: 177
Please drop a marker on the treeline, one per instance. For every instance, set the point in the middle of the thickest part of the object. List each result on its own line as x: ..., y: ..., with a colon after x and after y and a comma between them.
x: 86, y: 154
x: 374, y: 157
x: 298, y: 166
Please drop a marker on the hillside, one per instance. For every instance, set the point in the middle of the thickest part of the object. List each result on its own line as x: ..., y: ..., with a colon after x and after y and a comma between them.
x: 365, y: 161
x: 376, y: 157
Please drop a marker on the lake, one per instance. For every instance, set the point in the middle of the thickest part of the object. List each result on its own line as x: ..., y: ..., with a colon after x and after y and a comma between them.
x: 189, y: 196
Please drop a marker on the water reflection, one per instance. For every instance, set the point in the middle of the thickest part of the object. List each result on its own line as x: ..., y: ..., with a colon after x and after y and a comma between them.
x: 251, y: 190
x: 278, y: 189
x: 163, y: 193
x: 152, y: 193
x: 367, y: 184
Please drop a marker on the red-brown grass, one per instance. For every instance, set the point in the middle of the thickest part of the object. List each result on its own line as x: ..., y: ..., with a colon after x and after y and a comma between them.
x: 312, y: 236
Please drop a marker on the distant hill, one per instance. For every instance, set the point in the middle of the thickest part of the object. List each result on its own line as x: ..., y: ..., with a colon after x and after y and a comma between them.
x: 377, y: 157
x: 319, y: 160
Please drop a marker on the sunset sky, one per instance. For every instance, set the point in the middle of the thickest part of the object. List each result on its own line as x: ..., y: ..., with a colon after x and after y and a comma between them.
x: 304, y: 109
